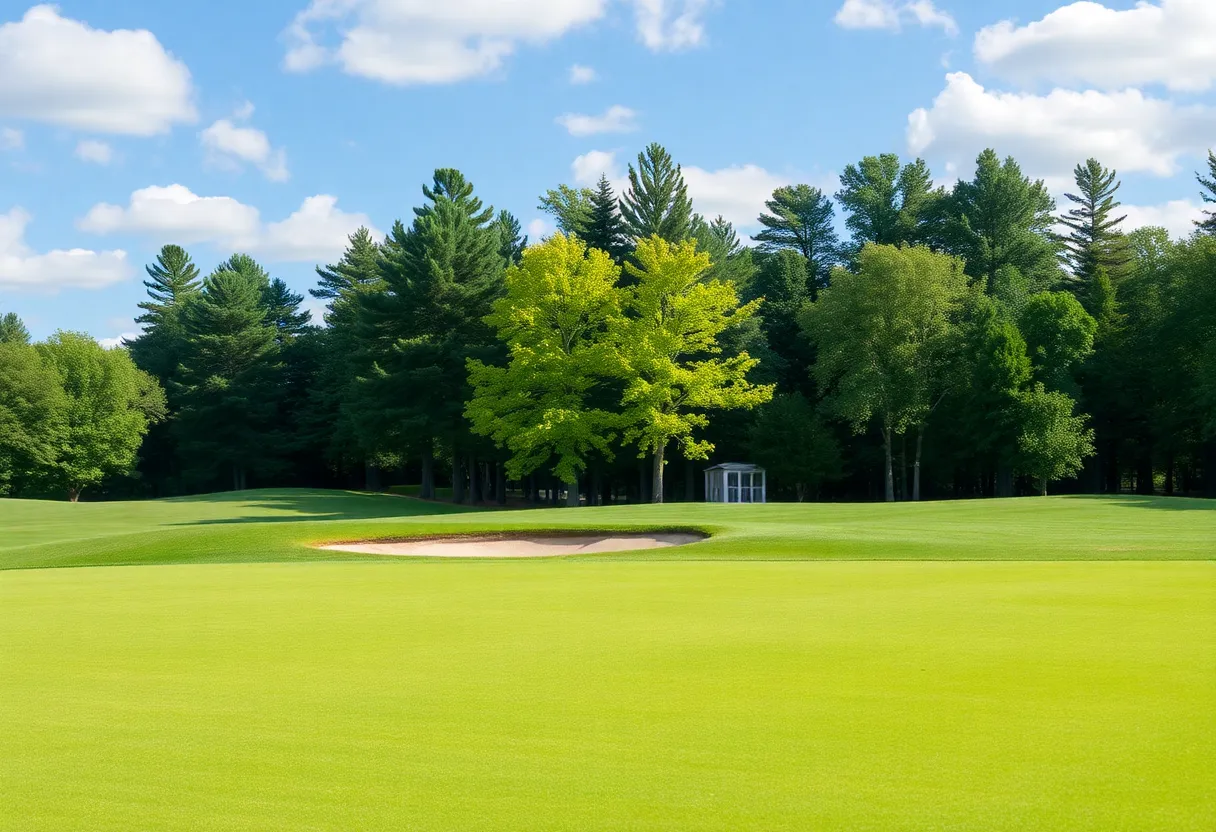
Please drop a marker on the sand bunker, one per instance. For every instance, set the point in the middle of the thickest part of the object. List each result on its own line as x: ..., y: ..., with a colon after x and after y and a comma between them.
x: 524, y: 546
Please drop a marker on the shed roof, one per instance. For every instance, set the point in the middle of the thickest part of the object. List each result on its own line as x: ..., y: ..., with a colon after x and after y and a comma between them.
x: 735, y: 466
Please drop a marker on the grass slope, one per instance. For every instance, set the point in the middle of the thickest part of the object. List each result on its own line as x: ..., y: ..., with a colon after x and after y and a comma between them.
x: 998, y: 665
x: 284, y: 525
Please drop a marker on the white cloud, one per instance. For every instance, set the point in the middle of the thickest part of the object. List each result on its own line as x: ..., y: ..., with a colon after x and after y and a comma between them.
x: 615, y: 119
x: 91, y: 150
x: 539, y: 229
x: 1177, y: 217
x: 317, y: 231
x: 229, y: 145
x: 61, y: 71
x: 22, y: 268
x: 670, y: 25
x: 588, y: 168
x: 737, y: 193
x: 118, y: 340
x: 422, y: 42
x: 1049, y: 134
x: 1086, y: 43
x: 580, y: 74
x: 887, y: 14
x: 11, y: 138
x: 244, y: 112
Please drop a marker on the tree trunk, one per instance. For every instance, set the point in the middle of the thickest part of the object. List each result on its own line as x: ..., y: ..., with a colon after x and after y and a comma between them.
x: 920, y: 441
x: 1144, y: 476
x: 1169, y: 475
x: 73, y: 495
x: 656, y: 493
x: 500, y: 483
x: 427, y: 492
x: 1043, y: 486
x: 800, y: 491
x: 474, y: 491
x: 457, y: 480
x: 890, y: 472
x: 903, y: 466
x: 595, y: 490
x: 572, y: 498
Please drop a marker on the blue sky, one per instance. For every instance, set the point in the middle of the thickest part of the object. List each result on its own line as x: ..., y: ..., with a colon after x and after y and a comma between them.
x: 278, y: 126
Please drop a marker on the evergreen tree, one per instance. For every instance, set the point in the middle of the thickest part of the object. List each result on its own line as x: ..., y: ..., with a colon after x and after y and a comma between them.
x: 359, y: 268
x: 782, y: 282
x: 510, y: 232
x: 729, y: 260
x: 657, y: 203
x: 228, y: 380
x: 998, y: 220
x: 1207, y: 225
x: 12, y: 329
x: 795, y: 446
x: 801, y: 219
x: 887, y: 204
x: 283, y: 311
x: 1094, y: 240
x: 606, y: 229
x: 174, y: 277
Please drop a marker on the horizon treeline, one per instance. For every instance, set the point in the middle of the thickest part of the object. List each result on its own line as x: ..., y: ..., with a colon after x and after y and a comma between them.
x: 975, y: 340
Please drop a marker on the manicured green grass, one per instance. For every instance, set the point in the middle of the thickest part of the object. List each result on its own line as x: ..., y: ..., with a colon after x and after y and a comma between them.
x: 1011, y: 665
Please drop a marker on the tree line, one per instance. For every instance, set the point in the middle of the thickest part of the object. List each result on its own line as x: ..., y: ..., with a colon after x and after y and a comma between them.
x: 971, y: 340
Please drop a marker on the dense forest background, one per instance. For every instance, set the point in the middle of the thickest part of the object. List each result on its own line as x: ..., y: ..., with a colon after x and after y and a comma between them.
x: 970, y: 341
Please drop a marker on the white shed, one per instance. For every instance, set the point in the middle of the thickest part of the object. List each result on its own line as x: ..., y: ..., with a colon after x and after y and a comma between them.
x: 736, y: 482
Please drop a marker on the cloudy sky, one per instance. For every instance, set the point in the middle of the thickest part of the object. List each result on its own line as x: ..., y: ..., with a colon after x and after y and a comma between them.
x: 277, y: 127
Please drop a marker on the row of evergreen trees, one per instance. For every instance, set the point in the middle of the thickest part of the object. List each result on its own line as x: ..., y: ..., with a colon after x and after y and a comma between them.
x: 955, y: 344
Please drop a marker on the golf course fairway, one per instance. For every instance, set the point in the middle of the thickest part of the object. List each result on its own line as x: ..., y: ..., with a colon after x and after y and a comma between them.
x: 989, y: 665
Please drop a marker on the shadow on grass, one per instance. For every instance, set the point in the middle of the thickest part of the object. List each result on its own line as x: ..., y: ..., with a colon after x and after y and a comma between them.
x: 1166, y: 503
x: 292, y: 506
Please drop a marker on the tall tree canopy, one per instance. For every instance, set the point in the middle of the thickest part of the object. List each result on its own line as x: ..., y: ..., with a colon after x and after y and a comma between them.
x: 569, y: 207
x: 657, y: 203
x: 1094, y: 240
x: 1207, y: 225
x: 887, y: 203
x: 605, y: 229
x: 12, y: 329
x: 800, y: 218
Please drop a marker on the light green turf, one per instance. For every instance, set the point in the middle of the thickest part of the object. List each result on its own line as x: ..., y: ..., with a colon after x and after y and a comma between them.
x: 1058, y: 674
x: 251, y: 527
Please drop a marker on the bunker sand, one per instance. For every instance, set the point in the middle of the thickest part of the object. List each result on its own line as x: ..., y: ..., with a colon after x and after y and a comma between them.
x: 524, y: 546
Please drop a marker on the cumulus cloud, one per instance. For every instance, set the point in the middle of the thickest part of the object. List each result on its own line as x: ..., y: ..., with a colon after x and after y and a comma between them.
x: 588, y: 168
x: 580, y: 74
x: 1177, y: 217
x: 671, y: 25
x: 317, y: 231
x: 229, y: 145
x: 61, y: 71
x: 1086, y: 43
x: 117, y: 341
x: 1050, y: 133
x: 893, y: 16
x: 412, y: 42
x: 91, y: 150
x: 539, y: 229
x: 23, y: 268
x: 615, y: 119
x: 11, y: 138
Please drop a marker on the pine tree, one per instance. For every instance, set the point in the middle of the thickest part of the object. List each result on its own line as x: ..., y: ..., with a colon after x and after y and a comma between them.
x: 801, y: 220
x: 358, y: 268
x: 606, y: 229
x: 283, y: 311
x: 657, y: 203
x: 12, y: 330
x: 174, y: 277
x: 513, y: 240
x: 1207, y: 225
x: 887, y: 204
x: 228, y: 378
x: 730, y: 261
x: 1095, y: 241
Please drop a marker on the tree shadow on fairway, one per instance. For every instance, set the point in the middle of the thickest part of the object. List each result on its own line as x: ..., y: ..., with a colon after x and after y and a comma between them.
x: 301, y: 505
x: 1168, y: 503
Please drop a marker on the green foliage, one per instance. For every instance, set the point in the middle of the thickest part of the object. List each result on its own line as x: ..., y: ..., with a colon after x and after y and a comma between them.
x: 888, y: 204
x: 1094, y: 241
x: 670, y: 352
x: 729, y: 260
x: 605, y: 229
x: 657, y: 203
x: 510, y: 232
x: 357, y: 271
x: 1054, y: 443
x: 795, y: 446
x: 108, y: 404
x: 555, y: 318
x: 783, y: 284
x: 800, y: 218
x: 1059, y: 336
x: 173, y: 278
x: 1207, y: 225
x: 33, y: 411
x: 997, y: 220
x: 570, y: 207
x: 882, y: 335
x: 12, y: 330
